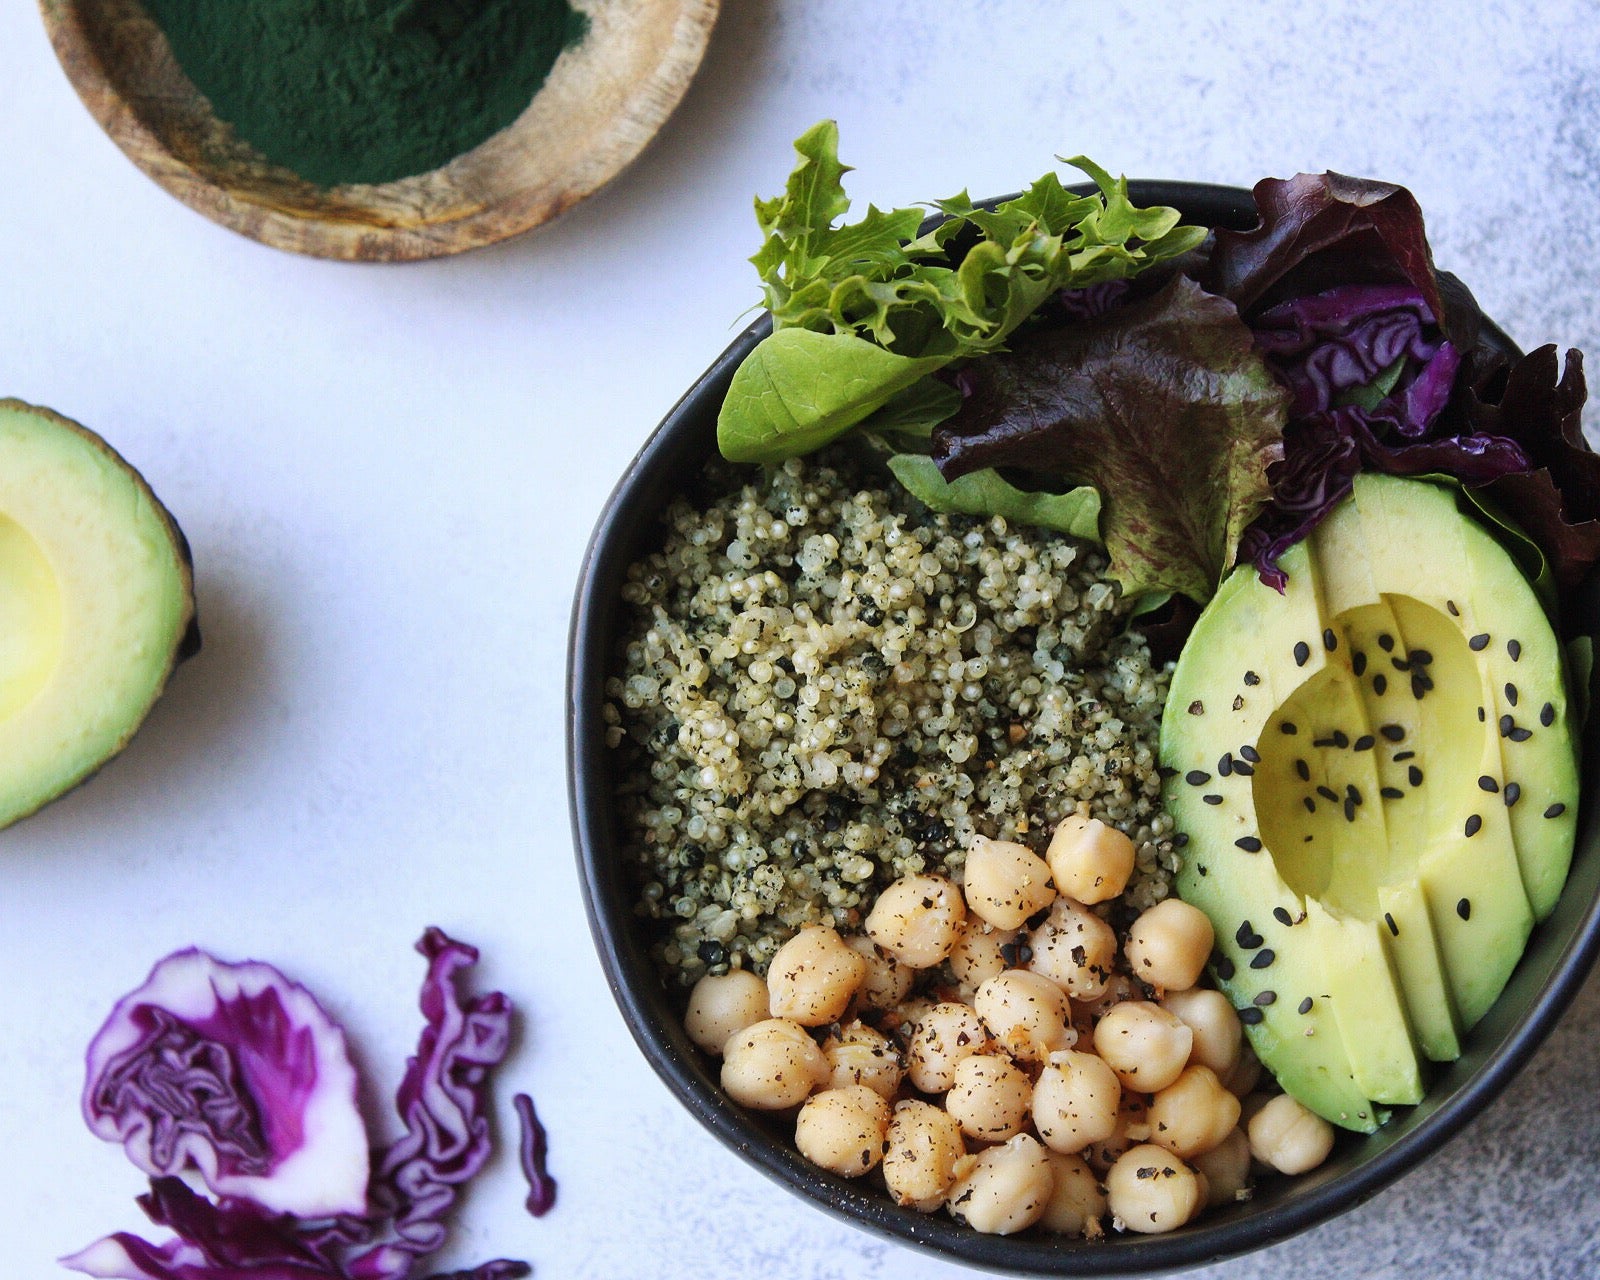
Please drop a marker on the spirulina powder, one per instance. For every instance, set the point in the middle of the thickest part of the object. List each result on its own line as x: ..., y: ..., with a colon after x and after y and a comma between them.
x: 343, y: 91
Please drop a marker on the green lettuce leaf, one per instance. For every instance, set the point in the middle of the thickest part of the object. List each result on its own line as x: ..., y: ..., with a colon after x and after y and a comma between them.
x: 1163, y: 406
x: 876, y: 281
x: 984, y: 493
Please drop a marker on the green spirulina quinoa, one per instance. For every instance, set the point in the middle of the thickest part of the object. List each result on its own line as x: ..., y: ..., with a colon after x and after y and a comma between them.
x: 822, y: 687
x: 346, y: 91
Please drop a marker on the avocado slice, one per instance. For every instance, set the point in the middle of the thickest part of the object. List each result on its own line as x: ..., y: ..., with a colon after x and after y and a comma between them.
x: 98, y: 590
x: 1377, y: 774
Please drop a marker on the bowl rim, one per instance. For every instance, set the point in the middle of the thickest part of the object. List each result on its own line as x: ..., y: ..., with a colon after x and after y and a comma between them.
x: 1209, y: 1240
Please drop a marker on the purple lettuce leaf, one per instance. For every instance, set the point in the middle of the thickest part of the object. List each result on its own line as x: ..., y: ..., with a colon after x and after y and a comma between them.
x: 236, y: 1073
x: 442, y: 1101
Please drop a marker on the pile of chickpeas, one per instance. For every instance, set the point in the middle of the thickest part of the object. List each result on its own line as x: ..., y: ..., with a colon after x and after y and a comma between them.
x: 993, y: 1048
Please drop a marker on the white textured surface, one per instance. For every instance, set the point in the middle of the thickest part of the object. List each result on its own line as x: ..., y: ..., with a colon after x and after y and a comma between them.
x: 388, y: 476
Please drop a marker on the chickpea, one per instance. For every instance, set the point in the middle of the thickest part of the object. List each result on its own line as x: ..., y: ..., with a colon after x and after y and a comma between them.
x: 1289, y: 1137
x: 1245, y: 1074
x: 989, y: 1097
x: 1003, y: 1189
x: 813, y: 976
x: 1218, y: 1037
x: 978, y: 955
x: 1077, y: 1200
x: 1150, y: 1190
x: 772, y: 1065
x: 722, y: 1004
x: 944, y: 1035
x: 1133, y: 1127
x: 887, y: 982
x: 1075, y: 949
x: 1075, y: 1101
x: 843, y: 1129
x: 1169, y: 944
x: 919, y: 1162
x: 1226, y: 1168
x: 1006, y: 882
x: 1144, y: 1044
x: 1027, y: 1013
x: 860, y: 1055
x: 1193, y: 1114
x: 1089, y: 860
x: 917, y: 920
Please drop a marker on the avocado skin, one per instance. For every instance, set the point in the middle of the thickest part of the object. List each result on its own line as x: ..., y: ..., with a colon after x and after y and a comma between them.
x: 1398, y: 549
x: 189, y: 640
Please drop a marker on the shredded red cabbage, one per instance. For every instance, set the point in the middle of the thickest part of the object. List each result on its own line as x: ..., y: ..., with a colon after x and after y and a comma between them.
x: 179, y: 1063
x: 533, y: 1151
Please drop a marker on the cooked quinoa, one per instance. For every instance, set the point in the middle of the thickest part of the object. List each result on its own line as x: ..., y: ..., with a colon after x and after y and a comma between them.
x: 821, y: 687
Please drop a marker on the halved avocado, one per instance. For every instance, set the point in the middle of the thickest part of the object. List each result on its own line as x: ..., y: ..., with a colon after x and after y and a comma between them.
x: 1377, y: 773
x: 97, y: 593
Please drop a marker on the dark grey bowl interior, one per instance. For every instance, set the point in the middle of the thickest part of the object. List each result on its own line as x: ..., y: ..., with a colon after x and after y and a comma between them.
x: 1557, y: 959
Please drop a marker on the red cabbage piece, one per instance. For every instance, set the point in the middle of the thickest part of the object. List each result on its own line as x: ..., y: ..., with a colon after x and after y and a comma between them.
x: 236, y: 1073
x: 442, y: 1101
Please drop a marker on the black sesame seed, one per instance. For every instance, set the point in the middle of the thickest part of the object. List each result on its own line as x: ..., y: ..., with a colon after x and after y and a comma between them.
x: 1385, y: 641
x: 1247, y: 937
x: 1380, y: 684
x: 1197, y: 777
x: 1480, y: 715
x: 1303, y: 769
x: 1520, y: 735
x: 1393, y: 732
x: 1251, y: 678
x: 1249, y: 844
x: 1486, y: 783
x: 1479, y: 642
x: 1394, y: 929
x: 1403, y: 755
x: 1400, y: 664
x: 1547, y: 715
x: 1391, y: 793
x: 1288, y: 727
x: 1514, y: 648
x: 1263, y: 959
x: 1414, y: 776
x: 1364, y: 743
x: 1305, y: 1005
x: 1474, y: 825
x: 1420, y: 684
x: 1225, y: 969
x: 1302, y: 653
x: 1244, y: 770
x: 1464, y: 909
x: 1250, y: 753
x: 1225, y: 765
x: 1451, y: 605
x: 1282, y: 916
x: 1328, y: 793
x: 1350, y: 793
x: 1555, y: 811
x: 1507, y: 724
x: 1322, y: 742
x: 1349, y: 810
x: 1511, y: 693
x: 1330, y: 642
x: 1180, y: 840
x: 1513, y: 794
x: 1264, y: 999
x: 1212, y: 799
x: 1420, y: 657
x: 1251, y: 1016
x: 1197, y: 708
x: 1165, y: 772
x: 1358, y: 663
x: 1341, y: 739
x: 1202, y: 868
x: 1310, y: 804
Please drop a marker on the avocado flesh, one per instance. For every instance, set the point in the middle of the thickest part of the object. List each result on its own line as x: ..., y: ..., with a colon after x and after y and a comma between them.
x: 1401, y: 852
x: 97, y: 592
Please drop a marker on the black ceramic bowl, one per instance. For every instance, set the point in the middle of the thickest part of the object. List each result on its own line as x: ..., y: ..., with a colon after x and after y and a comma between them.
x: 1558, y: 956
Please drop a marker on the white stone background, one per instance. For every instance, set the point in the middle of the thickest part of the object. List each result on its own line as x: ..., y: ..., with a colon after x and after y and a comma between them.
x: 389, y: 474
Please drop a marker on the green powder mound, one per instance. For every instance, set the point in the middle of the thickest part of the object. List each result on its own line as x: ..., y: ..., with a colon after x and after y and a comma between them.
x: 343, y: 91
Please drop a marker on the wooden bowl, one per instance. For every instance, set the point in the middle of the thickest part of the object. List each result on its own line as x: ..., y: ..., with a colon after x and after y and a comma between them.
x: 604, y: 100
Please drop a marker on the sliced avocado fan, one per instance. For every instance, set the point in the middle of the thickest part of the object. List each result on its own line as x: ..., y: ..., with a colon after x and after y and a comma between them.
x: 97, y: 595
x: 1377, y: 773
